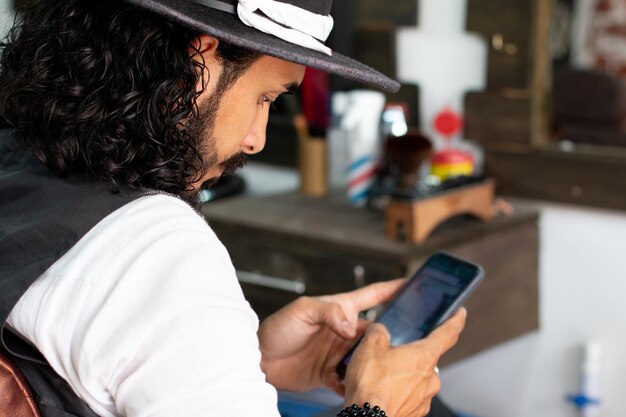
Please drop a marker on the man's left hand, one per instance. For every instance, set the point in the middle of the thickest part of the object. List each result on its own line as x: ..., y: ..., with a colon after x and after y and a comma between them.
x: 302, y: 343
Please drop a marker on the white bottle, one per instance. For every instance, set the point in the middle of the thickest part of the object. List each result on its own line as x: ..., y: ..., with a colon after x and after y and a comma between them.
x: 338, y: 138
x: 364, y: 150
x: 591, y: 379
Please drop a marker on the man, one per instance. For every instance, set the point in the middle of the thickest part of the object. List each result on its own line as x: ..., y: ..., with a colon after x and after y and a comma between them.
x: 116, y: 113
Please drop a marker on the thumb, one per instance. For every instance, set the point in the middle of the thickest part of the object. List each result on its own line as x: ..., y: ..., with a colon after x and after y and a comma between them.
x: 446, y: 335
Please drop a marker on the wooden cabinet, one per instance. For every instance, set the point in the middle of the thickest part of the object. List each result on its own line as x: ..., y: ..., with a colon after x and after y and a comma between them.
x: 510, y: 57
x: 511, y: 119
x: 512, y: 114
x: 288, y: 245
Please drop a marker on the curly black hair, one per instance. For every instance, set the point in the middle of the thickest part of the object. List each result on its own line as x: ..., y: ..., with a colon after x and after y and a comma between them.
x: 106, y: 89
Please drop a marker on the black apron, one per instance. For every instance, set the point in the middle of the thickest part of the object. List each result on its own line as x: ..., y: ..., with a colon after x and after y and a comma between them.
x: 41, y: 217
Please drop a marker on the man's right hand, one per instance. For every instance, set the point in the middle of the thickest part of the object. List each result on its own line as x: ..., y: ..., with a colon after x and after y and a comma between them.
x: 402, y: 379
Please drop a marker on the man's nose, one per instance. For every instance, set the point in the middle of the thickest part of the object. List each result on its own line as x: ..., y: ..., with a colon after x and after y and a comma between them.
x: 254, y: 142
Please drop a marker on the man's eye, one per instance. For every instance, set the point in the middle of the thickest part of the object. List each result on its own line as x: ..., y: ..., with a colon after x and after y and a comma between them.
x: 268, y: 100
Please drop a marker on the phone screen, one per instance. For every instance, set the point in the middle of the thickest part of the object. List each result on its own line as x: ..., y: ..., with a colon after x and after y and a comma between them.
x: 430, y: 297
x: 422, y: 304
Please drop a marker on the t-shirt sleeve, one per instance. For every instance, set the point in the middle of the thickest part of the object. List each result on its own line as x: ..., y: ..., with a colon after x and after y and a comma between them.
x: 181, y: 337
x: 145, y: 318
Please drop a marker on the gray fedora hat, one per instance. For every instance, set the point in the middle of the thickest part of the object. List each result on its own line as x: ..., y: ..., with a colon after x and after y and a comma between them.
x: 293, y: 30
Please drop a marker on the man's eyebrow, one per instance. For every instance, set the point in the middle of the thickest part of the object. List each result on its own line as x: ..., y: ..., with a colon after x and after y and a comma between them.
x: 291, y: 88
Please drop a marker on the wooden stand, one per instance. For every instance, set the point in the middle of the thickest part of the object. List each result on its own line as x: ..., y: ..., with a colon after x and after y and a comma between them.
x: 413, y: 221
x: 311, y: 160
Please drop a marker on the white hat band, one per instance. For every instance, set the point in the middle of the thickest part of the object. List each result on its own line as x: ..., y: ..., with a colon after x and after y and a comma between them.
x: 288, y: 22
x: 283, y: 20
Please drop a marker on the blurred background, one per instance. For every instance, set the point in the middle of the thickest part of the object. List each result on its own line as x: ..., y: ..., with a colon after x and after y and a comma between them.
x: 505, y: 145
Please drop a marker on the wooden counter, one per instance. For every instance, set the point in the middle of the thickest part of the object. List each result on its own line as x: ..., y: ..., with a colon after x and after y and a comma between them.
x: 293, y: 244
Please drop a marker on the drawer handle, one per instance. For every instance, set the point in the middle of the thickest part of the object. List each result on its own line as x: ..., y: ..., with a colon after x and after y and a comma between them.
x: 498, y: 44
x: 274, y: 283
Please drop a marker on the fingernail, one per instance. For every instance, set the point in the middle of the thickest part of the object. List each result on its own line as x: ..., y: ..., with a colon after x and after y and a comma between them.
x: 347, y: 327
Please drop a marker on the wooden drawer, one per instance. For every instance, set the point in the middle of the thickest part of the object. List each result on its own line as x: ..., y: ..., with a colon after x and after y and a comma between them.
x: 494, y: 119
x: 274, y: 273
x: 505, y: 70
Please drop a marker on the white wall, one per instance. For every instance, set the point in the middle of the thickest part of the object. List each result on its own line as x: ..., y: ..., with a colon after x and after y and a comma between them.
x: 582, y: 290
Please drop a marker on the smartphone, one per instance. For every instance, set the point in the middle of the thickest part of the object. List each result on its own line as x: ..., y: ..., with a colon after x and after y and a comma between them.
x: 430, y: 297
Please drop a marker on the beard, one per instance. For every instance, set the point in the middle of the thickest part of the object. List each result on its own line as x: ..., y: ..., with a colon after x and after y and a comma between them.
x: 200, y: 129
x: 232, y: 164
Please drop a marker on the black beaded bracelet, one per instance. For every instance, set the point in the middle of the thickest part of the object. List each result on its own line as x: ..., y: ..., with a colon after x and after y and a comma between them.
x: 365, y: 411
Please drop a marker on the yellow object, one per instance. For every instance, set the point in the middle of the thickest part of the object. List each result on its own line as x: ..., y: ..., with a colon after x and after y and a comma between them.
x: 450, y: 163
x: 446, y: 171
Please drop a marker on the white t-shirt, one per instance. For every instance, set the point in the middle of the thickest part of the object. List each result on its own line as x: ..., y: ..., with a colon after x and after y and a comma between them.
x: 144, y: 317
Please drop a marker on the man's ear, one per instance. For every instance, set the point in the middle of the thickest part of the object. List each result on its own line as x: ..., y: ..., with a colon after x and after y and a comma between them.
x: 203, y: 49
x: 205, y: 45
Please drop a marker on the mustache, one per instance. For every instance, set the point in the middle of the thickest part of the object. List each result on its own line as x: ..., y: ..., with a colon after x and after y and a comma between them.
x: 233, y: 163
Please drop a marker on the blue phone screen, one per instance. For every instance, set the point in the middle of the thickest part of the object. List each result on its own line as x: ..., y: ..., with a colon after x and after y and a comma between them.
x: 421, y: 305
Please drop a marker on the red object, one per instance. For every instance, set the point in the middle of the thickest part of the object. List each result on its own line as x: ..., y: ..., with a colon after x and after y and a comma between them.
x: 315, y: 96
x: 448, y: 123
x: 452, y: 156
